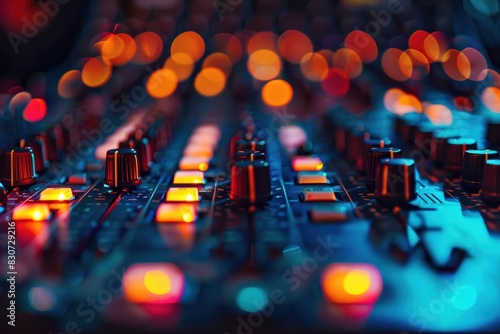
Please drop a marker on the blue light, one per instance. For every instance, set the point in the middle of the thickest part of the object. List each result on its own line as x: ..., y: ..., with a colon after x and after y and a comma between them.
x: 251, y: 299
x: 465, y: 298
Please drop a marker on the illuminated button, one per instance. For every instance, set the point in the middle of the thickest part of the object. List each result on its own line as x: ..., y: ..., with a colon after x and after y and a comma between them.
x: 194, y: 163
x: 198, y: 150
x: 351, y: 283
x: 31, y: 211
x: 306, y: 177
x: 79, y: 179
x: 176, y: 213
x: 153, y: 283
x: 182, y: 195
x: 301, y: 163
x: 319, y: 194
x: 189, y: 177
x: 328, y: 213
x: 57, y: 194
x: 204, y: 139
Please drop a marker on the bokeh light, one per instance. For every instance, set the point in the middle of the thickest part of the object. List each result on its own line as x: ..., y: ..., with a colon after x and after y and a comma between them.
x: 210, y: 81
x: 161, y: 83
x: 477, y: 62
x: 314, y: 66
x: 397, y: 64
x: 127, y: 52
x: 349, y: 62
x: 149, y: 48
x: 219, y: 60
x: 456, y: 65
x: 189, y: 43
x: 293, y: 45
x: 264, y: 65
x: 490, y: 97
x: 363, y: 44
x: 229, y: 45
x: 252, y: 299
x: 35, y: 110
x: 277, y: 93
x: 182, y: 66
x: 96, y: 72
x: 262, y: 40
x: 336, y: 83
x: 70, y: 84
x: 439, y: 114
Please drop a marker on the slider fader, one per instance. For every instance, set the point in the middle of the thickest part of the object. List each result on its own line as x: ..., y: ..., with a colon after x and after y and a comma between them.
x: 250, y: 167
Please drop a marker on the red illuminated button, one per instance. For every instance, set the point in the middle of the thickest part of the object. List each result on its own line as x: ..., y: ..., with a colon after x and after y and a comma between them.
x: 351, y: 283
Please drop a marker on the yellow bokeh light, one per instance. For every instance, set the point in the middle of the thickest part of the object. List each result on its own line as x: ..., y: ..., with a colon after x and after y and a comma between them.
x: 277, y: 93
x: 210, y: 81
x: 356, y: 282
x: 157, y: 282
x: 161, y: 83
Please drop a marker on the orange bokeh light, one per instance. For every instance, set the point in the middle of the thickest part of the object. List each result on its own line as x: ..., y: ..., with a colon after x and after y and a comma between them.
x: 70, y: 84
x: 363, y: 44
x: 314, y: 66
x: 189, y: 43
x: 210, y: 81
x: 264, y: 65
x: 420, y: 64
x: 161, y: 83
x: 111, y: 46
x: 439, y: 114
x: 456, y: 65
x: 490, y: 97
x: 219, y: 60
x: 277, y: 93
x: 477, y: 63
x: 407, y: 103
x: 149, y: 48
x: 293, y: 45
x: 349, y: 62
x: 262, y: 40
x: 391, y: 96
x: 397, y: 64
x: 96, y: 72
x: 127, y: 52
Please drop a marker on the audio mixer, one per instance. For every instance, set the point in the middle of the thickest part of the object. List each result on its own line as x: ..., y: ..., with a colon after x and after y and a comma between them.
x: 249, y: 166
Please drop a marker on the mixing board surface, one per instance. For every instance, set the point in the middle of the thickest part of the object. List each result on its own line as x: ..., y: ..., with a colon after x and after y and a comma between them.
x: 250, y: 166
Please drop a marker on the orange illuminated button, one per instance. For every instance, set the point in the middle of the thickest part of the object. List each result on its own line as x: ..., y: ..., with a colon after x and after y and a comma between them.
x: 182, y: 195
x: 176, y: 213
x: 194, y: 163
x: 153, y: 283
x: 307, y: 177
x: 198, y: 150
x: 189, y: 177
x: 351, y: 283
x: 31, y: 211
x: 328, y: 214
x: 319, y: 194
x: 302, y: 163
x: 203, y: 139
x: 57, y: 194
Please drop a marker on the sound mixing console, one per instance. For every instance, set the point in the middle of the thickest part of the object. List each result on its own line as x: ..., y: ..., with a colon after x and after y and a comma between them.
x: 330, y: 180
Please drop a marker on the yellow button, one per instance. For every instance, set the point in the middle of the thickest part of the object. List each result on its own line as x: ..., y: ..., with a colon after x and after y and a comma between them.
x: 301, y: 163
x: 31, y: 211
x: 189, y: 177
x: 194, y: 163
x: 176, y: 213
x: 57, y: 194
x: 319, y: 194
x: 320, y: 213
x: 182, y: 195
x: 306, y: 177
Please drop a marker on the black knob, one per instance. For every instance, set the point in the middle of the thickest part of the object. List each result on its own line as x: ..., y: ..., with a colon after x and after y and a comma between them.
x: 17, y: 167
x: 490, y: 187
x: 143, y: 149
x: 493, y: 133
x: 250, y: 182
x: 372, y: 163
x: 473, y: 167
x: 423, y: 138
x: 395, y: 181
x: 367, y: 145
x: 455, y: 149
x: 249, y: 156
x: 122, y: 168
x: 438, y: 145
x: 39, y: 147
x: 406, y: 126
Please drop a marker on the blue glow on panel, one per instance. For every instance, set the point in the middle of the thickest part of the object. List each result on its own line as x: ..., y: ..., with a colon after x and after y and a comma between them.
x: 251, y: 299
